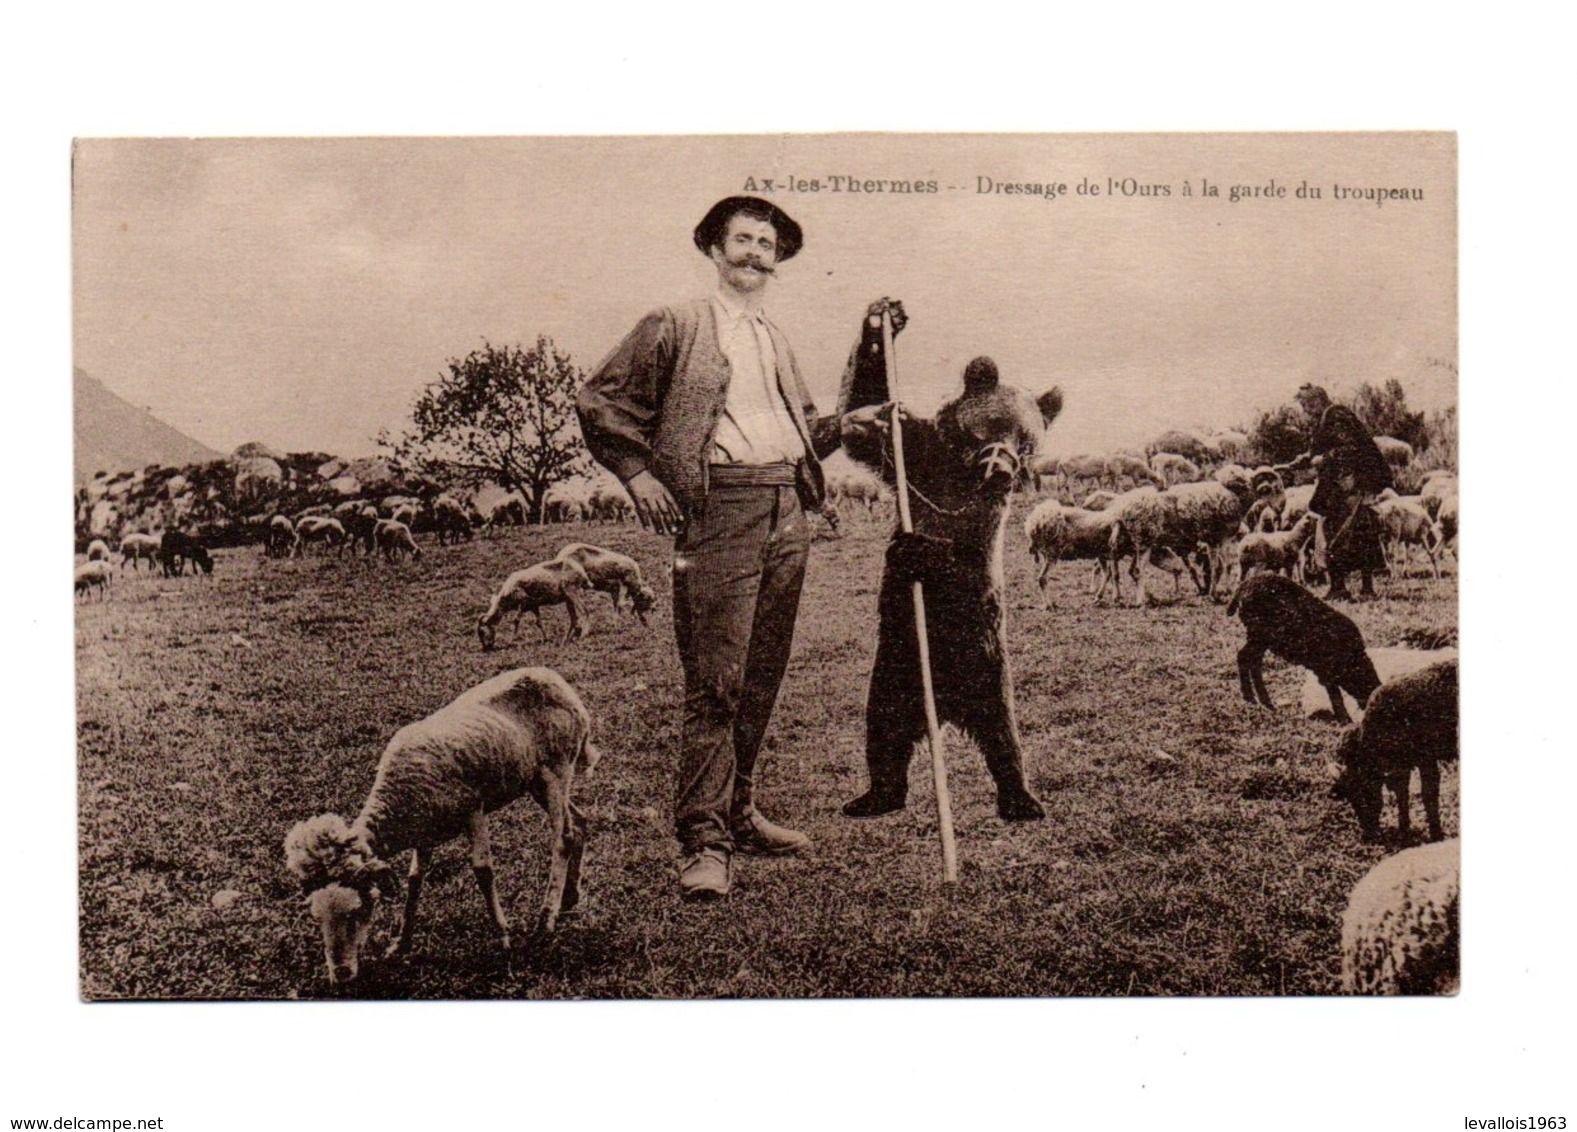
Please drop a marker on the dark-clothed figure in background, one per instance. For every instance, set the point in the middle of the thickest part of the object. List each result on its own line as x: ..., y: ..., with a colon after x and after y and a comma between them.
x: 1351, y: 472
x: 702, y: 414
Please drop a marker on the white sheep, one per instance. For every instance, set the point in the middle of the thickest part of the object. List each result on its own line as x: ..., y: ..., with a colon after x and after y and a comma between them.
x: 1276, y: 551
x: 1295, y: 504
x: 1122, y: 466
x: 394, y: 538
x: 92, y: 576
x: 1397, y: 453
x: 98, y: 551
x: 612, y: 573
x: 319, y: 530
x: 554, y: 582
x: 1170, y: 528
x: 1096, y: 469
x: 1407, y: 525
x: 1401, y: 931
x: 522, y: 732
x: 1057, y: 532
x: 136, y: 547
x: 1174, y: 469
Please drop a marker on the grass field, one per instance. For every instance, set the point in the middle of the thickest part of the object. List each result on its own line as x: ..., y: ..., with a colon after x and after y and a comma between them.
x: 1190, y: 848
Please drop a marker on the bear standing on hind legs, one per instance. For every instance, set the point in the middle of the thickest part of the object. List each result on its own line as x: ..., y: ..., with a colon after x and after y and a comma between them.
x: 961, y: 468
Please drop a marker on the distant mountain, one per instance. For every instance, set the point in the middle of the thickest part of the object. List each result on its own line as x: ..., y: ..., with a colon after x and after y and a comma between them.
x: 113, y: 435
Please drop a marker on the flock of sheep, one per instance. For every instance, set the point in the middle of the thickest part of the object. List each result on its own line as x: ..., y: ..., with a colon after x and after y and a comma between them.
x: 527, y: 732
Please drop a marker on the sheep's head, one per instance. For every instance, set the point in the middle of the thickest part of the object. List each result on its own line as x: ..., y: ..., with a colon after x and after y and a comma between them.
x: 203, y: 559
x: 1358, y: 783
x: 486, y: 634
x: 344, y: 883
x: 643, y: 598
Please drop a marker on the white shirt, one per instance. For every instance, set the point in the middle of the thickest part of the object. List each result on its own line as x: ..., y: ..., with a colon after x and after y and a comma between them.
x: 755, y: 426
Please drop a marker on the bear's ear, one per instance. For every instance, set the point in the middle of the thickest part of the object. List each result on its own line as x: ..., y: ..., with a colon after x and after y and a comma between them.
x: 1050, y: 403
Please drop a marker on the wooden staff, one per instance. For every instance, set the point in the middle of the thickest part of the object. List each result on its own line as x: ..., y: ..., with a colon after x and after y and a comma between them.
x: 944, y: 801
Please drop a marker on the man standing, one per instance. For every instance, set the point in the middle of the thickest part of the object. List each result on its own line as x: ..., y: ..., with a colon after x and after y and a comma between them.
x: 702, y: 414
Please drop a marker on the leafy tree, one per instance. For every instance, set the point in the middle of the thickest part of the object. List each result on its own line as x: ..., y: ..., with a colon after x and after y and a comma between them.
x: 1384, y: 412
x: 504, y: 414
x: 1278, y: 435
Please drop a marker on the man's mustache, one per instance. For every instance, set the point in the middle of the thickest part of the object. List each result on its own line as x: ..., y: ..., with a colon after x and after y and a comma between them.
x: 752, y: 261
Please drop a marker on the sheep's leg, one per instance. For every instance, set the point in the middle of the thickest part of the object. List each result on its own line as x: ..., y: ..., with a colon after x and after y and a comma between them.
x: 576, y: 629
x: 577, y: 849
x: 482, y: 867
x: 1251, y: 678
x: 1429, y: 788
x: 566, y: 845
x: 1338, y: 705
x: 413, y: 890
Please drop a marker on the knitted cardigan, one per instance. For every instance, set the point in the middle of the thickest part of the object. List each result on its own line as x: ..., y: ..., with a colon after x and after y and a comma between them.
x: 654, y: 402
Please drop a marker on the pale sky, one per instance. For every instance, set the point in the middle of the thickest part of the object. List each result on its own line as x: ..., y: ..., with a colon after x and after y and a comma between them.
x: 300, y: 292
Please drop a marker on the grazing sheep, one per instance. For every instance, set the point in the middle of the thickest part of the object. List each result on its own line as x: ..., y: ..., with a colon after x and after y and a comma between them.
x: 393, y: 538
x: 1276, y: 551
x: 92, y: 576
x: 527, y: 591
x: 1191, y: 446
x: 613, y: 574
x: 1397, y: 453
x: 862, y: 490
x: 1174, y: 469
x: 361, y: 530
x: 1058, y: 532
x: 1140, y: 526
x: 177, y: 548
x: 509, y: 511
x: 521, y: 732
x: 451, y: 521
x: 1171, y: 528
x: 1401, y: 932
x: 320, y: 530
x: 1286, y: 619
x: 1132, y: 468
x: 610, y: 504
x: 98, y: 551
x: 405, y: 513
x: 1098, y: 500
x: 1096, y: 469
x: 1409, y: 722
x: 134, y: 548
x: 1447, y: 517
x: 1407, y: 525
x: 281, y: 540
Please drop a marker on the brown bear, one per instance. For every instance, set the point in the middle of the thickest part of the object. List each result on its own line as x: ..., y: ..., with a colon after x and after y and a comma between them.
x: 962, y: 467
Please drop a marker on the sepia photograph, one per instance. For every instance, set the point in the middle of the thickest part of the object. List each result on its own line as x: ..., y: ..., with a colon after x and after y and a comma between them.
x: 959, y: 566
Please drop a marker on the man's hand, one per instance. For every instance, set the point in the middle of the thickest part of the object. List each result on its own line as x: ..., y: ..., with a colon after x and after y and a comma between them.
x: 655, y: 505
x: 875, y: 418
x: 894, y: 307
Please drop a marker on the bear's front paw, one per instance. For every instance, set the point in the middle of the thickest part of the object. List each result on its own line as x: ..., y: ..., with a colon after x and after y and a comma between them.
x: 914, y: 557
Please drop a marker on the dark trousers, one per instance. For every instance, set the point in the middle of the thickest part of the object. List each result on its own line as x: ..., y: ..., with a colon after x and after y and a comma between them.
x: 738, y: 569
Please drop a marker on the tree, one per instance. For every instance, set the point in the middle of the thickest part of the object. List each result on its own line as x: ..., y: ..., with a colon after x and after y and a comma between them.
x: 1384, y: 412
x: 504, y: 414
x: 1278, y: 435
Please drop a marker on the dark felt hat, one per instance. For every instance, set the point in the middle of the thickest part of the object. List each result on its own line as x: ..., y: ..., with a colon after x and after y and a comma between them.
x: 710, y: 231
